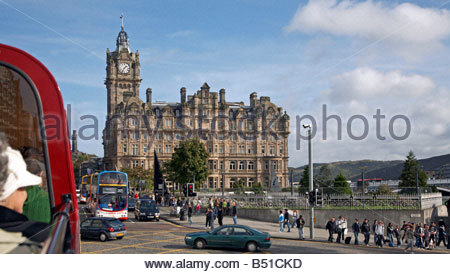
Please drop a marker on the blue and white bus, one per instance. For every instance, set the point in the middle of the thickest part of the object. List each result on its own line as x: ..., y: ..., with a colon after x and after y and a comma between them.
x: 111, y: 188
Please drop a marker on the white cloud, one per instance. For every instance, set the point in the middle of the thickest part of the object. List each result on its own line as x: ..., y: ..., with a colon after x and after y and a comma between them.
x: 366, y: 83
x: 403, y: 26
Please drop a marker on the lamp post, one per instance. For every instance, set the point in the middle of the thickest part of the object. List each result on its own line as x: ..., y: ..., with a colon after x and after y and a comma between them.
x: 292, y: 181
x: 311, y: 176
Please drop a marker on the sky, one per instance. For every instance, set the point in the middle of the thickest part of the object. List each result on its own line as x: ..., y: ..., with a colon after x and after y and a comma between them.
x: 354, y: 59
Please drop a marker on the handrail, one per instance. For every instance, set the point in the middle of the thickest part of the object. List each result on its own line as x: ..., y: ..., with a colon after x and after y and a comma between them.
x: 59, y: 241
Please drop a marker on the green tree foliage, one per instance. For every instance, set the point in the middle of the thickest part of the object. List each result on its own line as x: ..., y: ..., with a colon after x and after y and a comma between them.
x: 411, y: 168
x: 139, y: 173
x: 324, y: 178
x: 384, y: 189
x: 341, y: 185
x: 257, y: 188
x: 189, y: 159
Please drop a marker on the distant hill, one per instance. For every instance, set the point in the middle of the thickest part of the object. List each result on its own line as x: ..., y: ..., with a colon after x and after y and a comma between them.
x: 387, y: 170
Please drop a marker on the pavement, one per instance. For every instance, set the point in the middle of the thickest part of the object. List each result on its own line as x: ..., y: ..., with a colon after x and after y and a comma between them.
x: 273, y: 229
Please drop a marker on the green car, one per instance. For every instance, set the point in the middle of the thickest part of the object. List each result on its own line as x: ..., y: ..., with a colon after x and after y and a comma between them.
x: 230, y: 236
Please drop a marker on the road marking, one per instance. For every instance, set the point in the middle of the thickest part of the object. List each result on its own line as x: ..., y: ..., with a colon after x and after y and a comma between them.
x: 172, y: 250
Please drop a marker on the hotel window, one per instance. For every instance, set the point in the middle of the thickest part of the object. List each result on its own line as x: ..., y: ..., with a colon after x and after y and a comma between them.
x: 142, y: 163
x: 135, y: 149
x: 267, y: 165
x: 215, y: 165
x: 135, y: 135
x: 272, y: 150
x: 263, y: 150
x: 135, y: 163
x: 274, y: 164
x: 124, y: 135
x: 222, y: 149
x: 251, y: 181
x: 221, y: 124
x: 251, y: 165
x: 158, y: 136
x: 145, y: 135
x: 168, y: 123
x: 168, y: 149
x: 168, y: 137
x: 213, y: 124
x: 232, y: 165
x: 231, y: 125
x: 216, y: 148
x: 232, y: 149
x: 281, y: 150
x: 157, y: 112
x: 241, y: 165
x: 124, y: 148
x: 177, y: 112
x: 145, y: 148
x: 241, y: 124
x: 232, y: 137
x: 179, y: 136
x: 158, y: 148
x: 221, y: 165
x: 242, y: 149
x: 251, y: 150
x: 210, y: 182
x: 250, y: 125
x: 209, y: 148
x: 211, y: 165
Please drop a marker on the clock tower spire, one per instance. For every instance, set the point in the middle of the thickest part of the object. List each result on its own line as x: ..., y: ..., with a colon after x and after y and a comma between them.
x: 122, y: 73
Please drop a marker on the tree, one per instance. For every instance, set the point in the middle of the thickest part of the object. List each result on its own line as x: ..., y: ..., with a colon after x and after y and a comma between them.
x: 411, y: 168
x: 189, y: 160
x: 257, y: 188
x: 324, y: 178
x: 341, y: 185
x: 139, y: 173
x: 384, y: 189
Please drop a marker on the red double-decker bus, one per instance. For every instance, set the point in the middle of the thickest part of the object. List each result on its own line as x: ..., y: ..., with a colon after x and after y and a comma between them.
x: 33, y: 118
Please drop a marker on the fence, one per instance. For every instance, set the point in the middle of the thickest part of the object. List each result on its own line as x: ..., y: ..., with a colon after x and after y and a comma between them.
x: 354, y: 201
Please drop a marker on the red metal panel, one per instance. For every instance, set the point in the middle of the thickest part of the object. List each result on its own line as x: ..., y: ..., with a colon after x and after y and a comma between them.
x: 59, y: 153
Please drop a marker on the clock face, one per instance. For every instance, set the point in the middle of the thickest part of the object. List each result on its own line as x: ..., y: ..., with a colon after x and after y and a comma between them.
x: 124, y: 68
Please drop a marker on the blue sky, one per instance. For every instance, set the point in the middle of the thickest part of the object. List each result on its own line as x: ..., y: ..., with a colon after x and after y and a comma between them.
x: 354, y: 56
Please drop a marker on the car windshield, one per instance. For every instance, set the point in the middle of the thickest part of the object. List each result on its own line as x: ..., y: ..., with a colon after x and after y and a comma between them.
x: 84, y: 190
x: 113, y: 201
x: 148, y: 205
x: 131, y: 200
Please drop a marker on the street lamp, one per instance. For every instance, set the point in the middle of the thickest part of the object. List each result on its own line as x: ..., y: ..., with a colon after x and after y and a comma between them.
x: 311, y: 176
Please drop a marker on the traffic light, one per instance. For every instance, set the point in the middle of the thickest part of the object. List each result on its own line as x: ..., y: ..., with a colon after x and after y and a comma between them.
x: 185, y: 191
x: 190, y: 190
x: 312, y: 197
x: 319, y: 199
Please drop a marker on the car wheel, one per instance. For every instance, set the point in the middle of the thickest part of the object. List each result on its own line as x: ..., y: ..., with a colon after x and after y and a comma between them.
x: 157, y: 220
x: 200, y: 244
x: 251, y: 246
x: 103, y: 237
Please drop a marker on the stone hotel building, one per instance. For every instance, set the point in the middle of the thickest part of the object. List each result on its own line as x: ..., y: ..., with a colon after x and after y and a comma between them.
x: 246, y: 143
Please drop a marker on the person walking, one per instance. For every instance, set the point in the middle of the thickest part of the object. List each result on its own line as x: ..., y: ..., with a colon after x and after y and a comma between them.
x: 339, y: 228
x: 234, y: 212
x: 208, y: 218
x: 220, y: 214
x: 281, y: 221
x: 426, y: 236
x: 433, y: 230
x: 419, y: 236
x: 356, y: 230
x: 331, y: 227
x: 300, y: 222
x: 365, y: 229
x: 294, y: 218
x: 442, y: 237
x: 190, y: 213
x: 390, y: 234
x: 374, y: 225
x: 344, y: 228
x: 397, y: 235
x: 409, y: 236
x: 379, y: 234
x: 286, y: 219
x: 403, y: 230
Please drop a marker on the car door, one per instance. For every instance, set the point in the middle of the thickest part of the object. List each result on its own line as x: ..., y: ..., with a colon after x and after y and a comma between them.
x: 240, y: 237
x: 221, y: 237
x: 95, y: 228
x: 85, y: 228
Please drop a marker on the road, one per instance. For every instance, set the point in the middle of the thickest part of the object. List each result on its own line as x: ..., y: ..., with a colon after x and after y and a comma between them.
x: 167, y: 238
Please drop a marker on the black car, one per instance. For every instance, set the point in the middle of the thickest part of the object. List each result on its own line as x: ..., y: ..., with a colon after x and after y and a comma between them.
x: 146, y: 209
x: 103, y: 228
x: 131, y: 204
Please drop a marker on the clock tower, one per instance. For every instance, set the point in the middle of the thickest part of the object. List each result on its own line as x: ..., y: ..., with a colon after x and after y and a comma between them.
x: 122, y: 73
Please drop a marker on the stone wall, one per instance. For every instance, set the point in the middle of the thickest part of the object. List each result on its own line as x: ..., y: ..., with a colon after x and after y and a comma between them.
x: 322, y: 216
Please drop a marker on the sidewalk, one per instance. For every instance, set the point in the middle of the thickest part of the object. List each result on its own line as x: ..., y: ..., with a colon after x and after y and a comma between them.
x: 198, y: 222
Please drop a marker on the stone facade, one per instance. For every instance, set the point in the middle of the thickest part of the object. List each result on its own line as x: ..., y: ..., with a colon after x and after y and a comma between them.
x: 246, y: 143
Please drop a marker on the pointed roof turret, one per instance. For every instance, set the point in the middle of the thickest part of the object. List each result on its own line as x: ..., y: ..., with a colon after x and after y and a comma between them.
x: 122, y: 39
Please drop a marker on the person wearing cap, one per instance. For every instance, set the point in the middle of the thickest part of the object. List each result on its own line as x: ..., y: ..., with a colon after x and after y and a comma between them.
x: 13, y: 195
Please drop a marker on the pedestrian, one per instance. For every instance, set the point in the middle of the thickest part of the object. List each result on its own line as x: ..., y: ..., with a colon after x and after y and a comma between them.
x: 300, y: 222
x: 286, y: 219
x: 228, y: 207
x: 208, y: 218
x: 190, y: 213
x: 356, y: 230
x: 442, y: 237
x: 294, y: 217
x: 331, y: 227
x: 409, y: 237
x: 220, y: 214
x: 426, y: 237
x: 390, y: 234
x: 199, y: 207
x: 404, y: 229
x: 433, y: 230
x: 419, y: 236
x: 339, y: 228
x: 365, y: 229
x: 397, y: 235
x: 281, y: 221
x: 374, y: 225
x: 211, y: 219
x: 234, y: 213
x: 379, y: 234
x: 344, y: 229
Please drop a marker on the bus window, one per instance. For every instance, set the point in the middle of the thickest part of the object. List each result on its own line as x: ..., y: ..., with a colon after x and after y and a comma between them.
x: 20, y: 120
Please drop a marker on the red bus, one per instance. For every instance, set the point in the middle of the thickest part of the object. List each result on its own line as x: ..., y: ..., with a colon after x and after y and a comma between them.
x: 33, y: 118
